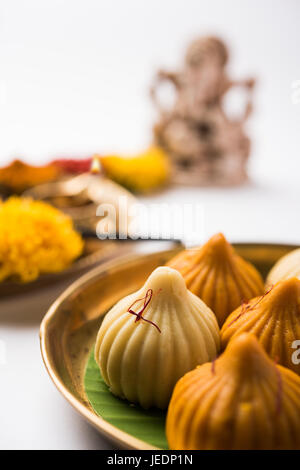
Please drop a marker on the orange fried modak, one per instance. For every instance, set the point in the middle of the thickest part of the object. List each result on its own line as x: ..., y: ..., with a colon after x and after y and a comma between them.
x: 218, y: 275
x: 274, y: 319
x: 243, y: 400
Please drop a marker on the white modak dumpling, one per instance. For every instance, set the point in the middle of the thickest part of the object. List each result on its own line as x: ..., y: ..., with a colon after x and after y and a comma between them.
x: 286, y: 267
x: 151, y: 338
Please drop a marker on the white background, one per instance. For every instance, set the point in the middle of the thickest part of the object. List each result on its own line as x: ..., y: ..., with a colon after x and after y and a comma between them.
x: 74, y: 80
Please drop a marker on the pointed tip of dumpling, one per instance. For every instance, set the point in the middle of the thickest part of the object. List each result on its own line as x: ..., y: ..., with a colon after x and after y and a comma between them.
x: 218, y: 248
x: 284, y: 293
x: 244, y: 353
x: 166, y: 279
x: 218, y: 275
x: 218, y: 238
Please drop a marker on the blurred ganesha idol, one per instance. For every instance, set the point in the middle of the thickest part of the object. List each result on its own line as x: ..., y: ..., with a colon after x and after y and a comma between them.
x: 206, y: 145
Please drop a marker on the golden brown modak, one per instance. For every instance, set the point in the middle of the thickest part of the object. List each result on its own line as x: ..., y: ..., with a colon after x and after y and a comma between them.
x: 274, y: 319
x: 286, y: 267
x: 218, y: 275
x: 243, y: 400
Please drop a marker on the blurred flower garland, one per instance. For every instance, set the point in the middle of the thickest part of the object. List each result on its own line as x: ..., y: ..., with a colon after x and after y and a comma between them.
x: 35, y: 238
x: 144, y: 172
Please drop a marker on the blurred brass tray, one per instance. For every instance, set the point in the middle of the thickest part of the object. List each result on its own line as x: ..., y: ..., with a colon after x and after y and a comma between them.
x: 69, y: 329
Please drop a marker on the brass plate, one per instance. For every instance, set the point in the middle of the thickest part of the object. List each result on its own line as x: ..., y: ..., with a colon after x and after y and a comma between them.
x: 69, y: 329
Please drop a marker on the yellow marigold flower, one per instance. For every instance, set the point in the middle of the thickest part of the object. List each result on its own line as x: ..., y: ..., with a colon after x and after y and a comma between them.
x: 35, y: 238
x: 141, y: 173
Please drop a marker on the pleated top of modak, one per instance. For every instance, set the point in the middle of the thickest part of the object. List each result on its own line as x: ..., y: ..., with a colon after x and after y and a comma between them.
x: 218, y: 275
x: 274, y: 319
x: 243, y: 400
